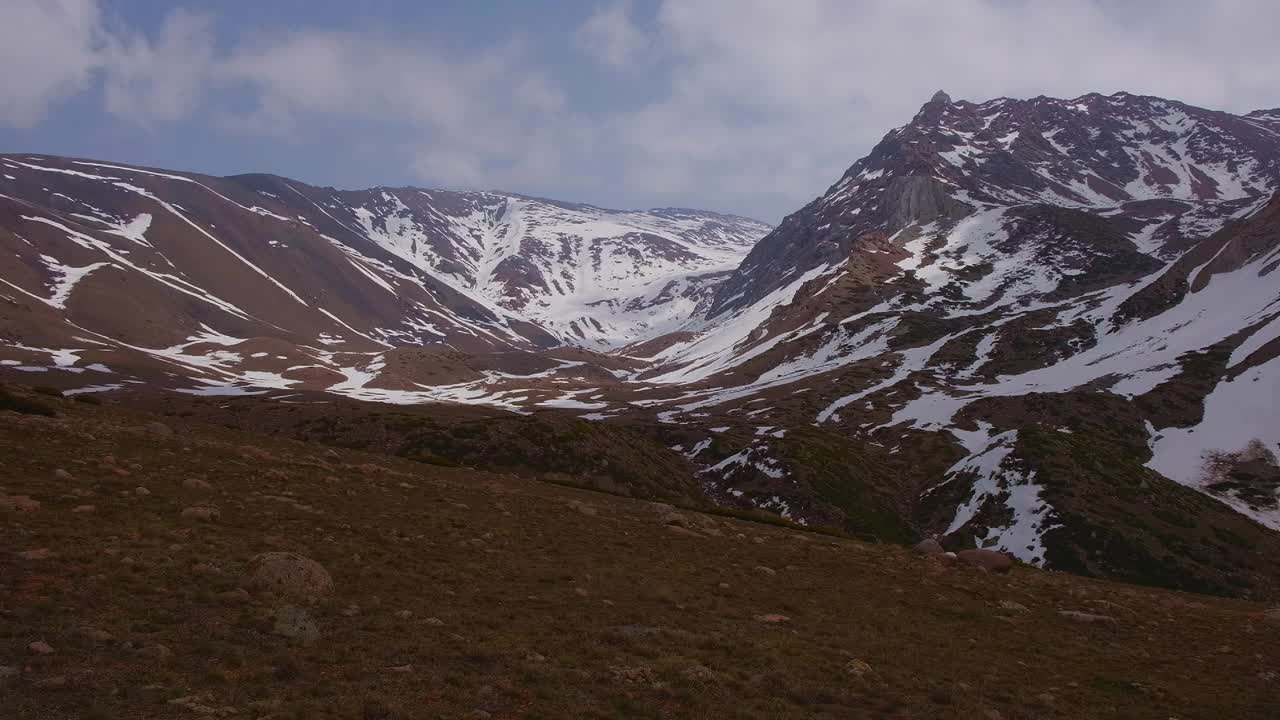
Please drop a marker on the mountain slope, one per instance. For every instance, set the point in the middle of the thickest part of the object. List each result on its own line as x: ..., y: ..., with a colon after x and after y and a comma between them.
x: 1047, y: 327
x: 981, y: 278
x: 265, y: 281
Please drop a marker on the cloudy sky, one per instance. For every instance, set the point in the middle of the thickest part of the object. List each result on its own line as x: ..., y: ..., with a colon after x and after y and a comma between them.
x: 748, y: 106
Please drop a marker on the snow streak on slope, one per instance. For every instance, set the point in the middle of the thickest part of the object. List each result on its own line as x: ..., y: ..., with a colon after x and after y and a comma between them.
x: 996, y: 478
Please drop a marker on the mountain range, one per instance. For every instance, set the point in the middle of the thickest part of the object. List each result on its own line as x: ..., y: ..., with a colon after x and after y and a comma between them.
x: 1049, y: 327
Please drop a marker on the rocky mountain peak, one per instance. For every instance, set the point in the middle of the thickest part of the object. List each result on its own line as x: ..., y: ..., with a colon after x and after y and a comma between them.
x: 1090, y: 152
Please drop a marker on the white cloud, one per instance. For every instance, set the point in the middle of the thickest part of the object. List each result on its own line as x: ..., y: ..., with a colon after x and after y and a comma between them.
x: 48, y: 51
x: 162, y: 80
x: 610, y: 36
x: 752, y: 106
x: 771, y: 101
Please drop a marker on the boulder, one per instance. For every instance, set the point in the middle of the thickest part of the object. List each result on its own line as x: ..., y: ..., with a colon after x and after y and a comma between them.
x: 929, y: 547
x: 159, y: 429
x: 18, y: 503
x: 202, y: 513
x: 989, y: 560
x: 1014, y: 607
x: 858, y: 668
x: 296, y: 624
x: 287, y: 573
x: 772, y: 618
x: 695, y: 522
x: 1085, y: 617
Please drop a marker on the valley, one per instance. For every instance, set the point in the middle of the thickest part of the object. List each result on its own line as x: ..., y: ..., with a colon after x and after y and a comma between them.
x: 1046, y: 327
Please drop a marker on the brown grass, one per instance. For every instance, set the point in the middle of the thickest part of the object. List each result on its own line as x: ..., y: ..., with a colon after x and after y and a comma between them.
x: 547, y: 611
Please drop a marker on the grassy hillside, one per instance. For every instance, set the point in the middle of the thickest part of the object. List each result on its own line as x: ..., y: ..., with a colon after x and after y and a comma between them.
x: 465, y: 594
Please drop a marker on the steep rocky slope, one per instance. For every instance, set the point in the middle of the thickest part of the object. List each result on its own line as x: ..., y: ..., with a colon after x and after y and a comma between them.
x: 1102, y: 269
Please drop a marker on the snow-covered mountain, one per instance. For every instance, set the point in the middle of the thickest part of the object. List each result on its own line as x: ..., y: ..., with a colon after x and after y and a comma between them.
x: 592, y: 277
x: 156, y: 261
x: 994, y: 270
x: 1046, y: 326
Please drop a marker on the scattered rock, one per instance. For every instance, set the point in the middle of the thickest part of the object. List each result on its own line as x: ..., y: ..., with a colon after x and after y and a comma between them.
x: 287, y: 573
x: 8, y: 671
x: 1014, y: 607
x: 635, y: 675
x: 772, y: 618
x: 196, y: 484
x: 535, y: 658
x: 97, y: 635
x: 294, y: 623
x: 141, y: 491
x: 684, y: 531
x: 63, y: 474
x: 404, y: 614
x: 202, y: 513
x: 1272, y: 615
x: 584, y: 508
x: 1085, y: 617
x: 691, y: 521
x: 434, y: 621
x: 81, y: 509
x: 40, y: 647
x: 858, y: 668
x: 159, y: 429
x: 989, y: 560
x: 698, y: 673
x: 56, y: 682
x: 929, y: 547
x: 18, y: 503
x: 37, y: 554
x: 157, y: 651
x: 233, y: 597
x: 763, y: 570
x: 203, y: 705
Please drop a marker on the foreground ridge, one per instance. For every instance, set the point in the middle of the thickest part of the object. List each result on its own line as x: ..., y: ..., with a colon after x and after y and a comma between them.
x: 158, y: 546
